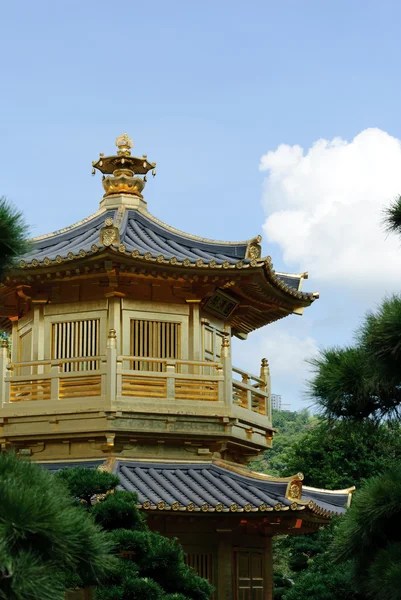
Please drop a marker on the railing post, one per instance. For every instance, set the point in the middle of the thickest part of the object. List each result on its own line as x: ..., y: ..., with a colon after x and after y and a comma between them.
x: 111, y: 365
x: 55, y: 381
x: 170, y: 369
x: 3, y: 372
x: 226, y: 360
x: 119, y: 378
x: 265, y: 375
x: 220, y: 385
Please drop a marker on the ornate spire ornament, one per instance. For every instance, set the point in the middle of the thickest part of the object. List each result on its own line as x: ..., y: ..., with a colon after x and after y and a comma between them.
x: 121, y: 172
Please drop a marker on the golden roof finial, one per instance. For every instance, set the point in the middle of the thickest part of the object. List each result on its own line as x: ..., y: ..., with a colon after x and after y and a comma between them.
x: 121, y: 172
x: 124, y: 145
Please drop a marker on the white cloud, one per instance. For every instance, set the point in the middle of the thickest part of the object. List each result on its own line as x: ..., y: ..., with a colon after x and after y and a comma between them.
x: 287, y: 354
x: 324, y: 208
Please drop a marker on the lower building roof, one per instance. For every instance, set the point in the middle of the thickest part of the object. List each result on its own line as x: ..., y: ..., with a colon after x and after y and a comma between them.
x: 216, y: 487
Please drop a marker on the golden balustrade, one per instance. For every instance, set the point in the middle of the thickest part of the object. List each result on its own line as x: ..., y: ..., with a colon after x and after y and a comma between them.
x: 120, y: 378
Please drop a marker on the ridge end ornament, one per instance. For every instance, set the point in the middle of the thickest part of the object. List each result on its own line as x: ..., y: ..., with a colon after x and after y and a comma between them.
x: 109, y: 234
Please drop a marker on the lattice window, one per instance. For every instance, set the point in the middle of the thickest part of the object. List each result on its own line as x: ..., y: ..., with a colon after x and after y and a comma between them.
x: 76, y: 339
x: 154, y: 339
x: 202, y: 563
x: 212, y: 340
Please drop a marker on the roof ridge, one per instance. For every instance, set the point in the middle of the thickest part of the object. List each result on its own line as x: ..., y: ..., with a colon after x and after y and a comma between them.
x: 246, y: 472
x: 146, y: 213
x: 45, y: 236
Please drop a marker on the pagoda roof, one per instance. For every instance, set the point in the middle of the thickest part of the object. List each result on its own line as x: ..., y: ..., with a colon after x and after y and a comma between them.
x: 141, y: 235
x: 138, y: 230
x: 217, y: 487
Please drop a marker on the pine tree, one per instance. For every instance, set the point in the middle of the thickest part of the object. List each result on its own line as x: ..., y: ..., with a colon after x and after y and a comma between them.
x: 44, y: 535
x: 13, y: 235
x: 150, y: 566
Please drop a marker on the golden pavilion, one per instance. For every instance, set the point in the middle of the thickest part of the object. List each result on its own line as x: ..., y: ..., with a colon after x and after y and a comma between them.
x: 121, y: 359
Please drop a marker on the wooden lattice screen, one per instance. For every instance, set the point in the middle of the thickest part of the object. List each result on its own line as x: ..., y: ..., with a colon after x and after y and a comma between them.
x: 75, y: 339
x: 154, y: 339
x: 202, y: 563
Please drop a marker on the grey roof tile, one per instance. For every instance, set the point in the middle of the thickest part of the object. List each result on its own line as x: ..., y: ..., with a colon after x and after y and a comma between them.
x: 213, y: 485
x: 145, y: 234
x: 206, y: 484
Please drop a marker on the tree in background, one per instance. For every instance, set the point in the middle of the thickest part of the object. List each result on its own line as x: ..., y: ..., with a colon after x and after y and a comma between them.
x: 44, y: 536
x: 150, y: 566
x: 358, y: 389
x: 370, y: 535
x: 13, y: 235
x: 339, y: 454
x: 13, y: 239
x: 291, y: 426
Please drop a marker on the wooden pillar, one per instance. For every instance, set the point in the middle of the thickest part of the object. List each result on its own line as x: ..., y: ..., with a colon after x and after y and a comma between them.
x: 3, y: 372
x: 227, y: 370
x: 14, y: 340
x: 194, y: 347
x: 225, y: 571
x: 265, y: 375
x: 268, y: 568
x: 114, y: 318
x: 38, y: 338
x: 111, y: 375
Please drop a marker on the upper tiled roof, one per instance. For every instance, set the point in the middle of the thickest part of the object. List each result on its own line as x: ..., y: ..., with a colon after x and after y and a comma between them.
x: 70, y: 240
x: 210, y: 487
x: 141, y: 234
x: 138, y: 231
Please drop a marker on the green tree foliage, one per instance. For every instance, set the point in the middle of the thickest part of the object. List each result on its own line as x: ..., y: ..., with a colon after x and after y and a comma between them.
x: 392, y: 217
x: 314, y: 573
x: 291, y: 427
x: 150, y: 566
x: 363, y: 381
x: 13, y: 235
x: 338, y: 454
x: 370, y: 535
x: 358, y: 390
x: 43, y: 535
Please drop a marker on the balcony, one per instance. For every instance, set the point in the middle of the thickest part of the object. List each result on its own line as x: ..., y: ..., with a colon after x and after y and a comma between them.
x: 139, y: 383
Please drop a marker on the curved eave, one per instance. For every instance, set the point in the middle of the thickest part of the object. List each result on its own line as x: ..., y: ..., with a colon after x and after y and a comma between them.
x: 200, y: 265
x: 273, y: 278
x: 215, y: 487
x: 189, y: 236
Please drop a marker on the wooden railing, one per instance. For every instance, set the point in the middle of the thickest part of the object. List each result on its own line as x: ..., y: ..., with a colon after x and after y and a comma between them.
x: 252, y: 392
x: 80, y: 377
x: 121, y: 377
x: 169, y: 379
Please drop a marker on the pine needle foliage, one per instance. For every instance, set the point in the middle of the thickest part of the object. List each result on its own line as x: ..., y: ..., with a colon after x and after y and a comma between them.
x: 43, y: 535
x: 370, y: 535
x: 13, y: 235
x: 87, y: 483
x: 150, y: 566
x: 363, y: 381
x: 380, y: 336
x: 392, y: 217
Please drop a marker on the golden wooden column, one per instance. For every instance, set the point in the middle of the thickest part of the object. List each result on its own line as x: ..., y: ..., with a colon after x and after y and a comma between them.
x: 268, y: 570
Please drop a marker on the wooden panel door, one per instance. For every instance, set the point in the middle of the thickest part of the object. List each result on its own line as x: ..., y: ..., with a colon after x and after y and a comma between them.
x: 249, y: 567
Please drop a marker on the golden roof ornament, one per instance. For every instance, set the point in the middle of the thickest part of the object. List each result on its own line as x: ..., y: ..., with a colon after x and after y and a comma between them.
x: 121, y: 172
x: 124, y: 145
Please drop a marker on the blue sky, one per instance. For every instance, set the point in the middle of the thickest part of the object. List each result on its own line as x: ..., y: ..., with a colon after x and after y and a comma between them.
x: 206, y: 90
